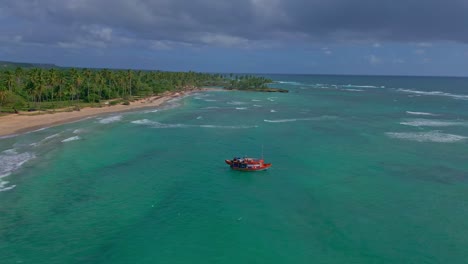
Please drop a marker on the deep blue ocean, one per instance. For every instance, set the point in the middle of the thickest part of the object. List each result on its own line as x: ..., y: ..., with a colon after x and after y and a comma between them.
x: 366, y: 169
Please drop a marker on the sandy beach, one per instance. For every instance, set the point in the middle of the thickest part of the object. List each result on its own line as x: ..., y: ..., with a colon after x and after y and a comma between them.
x: 25, y: 121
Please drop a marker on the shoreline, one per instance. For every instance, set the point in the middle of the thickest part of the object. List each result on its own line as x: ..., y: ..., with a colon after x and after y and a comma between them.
x: 15, y: 124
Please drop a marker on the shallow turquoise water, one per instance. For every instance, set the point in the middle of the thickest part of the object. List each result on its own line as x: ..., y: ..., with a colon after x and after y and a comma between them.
x: 365, y: 170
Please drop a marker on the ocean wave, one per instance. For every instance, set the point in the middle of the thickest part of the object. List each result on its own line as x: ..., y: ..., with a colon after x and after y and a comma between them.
x: 353, y: 90
x: 236, y: 103
x: 71, y: 139
x: 45, y: 140
x: 431, y: 136
x: 420, y: 113
x: 199, y: 117
x: 210, y: 100
x: 110, y: 119
x: 241, y: 108
x: 151, y: 111
x: 211, y: 107
x: 9, y: 151
x: 435, y: 93
x: 271, y: 99
x: 362, y: 86
x: 280, y: 120
x: 155, y: 124
x: 432, y: 123
x: 257, y: 105
x: 289, y: 82
x: 10, y: 161
x: 272, y: 111
x: 8, y: 136
x: 228, y: 127
x: 256, y: 100
x: 299, y: 119
x: 53, y: 136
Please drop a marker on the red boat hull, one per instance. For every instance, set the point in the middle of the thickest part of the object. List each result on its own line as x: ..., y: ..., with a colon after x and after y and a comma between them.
x: 253, y: 166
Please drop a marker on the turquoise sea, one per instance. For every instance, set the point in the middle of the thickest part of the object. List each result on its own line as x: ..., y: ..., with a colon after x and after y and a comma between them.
x: 365, y: 170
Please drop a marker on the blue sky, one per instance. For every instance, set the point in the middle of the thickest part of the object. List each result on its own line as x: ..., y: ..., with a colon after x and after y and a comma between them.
x: 412, y: 37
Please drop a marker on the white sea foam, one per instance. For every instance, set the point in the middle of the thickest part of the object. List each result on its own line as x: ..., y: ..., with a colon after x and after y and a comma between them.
x: 53, y: 136
x: 210, y: 100
x: 362, y: 86
x: 8, y: 136
x: 353, y: 90
x: 272, y: 111
x: 228, y: 127
x: 151, y: 111
x: 256, y: 100
x: 241, y: 108
x: 299, y: 119
x: 431, y: 136
x: 271, y: 99
x: 10, y: 151
x: 40, y: 129
x: 257, y: 105
x: 432, y: 123
x: 155, y: 124
x: 420, y: 113
x: 212, y: 107
x: 288, y: 82
x: 110, y: 119
x: 199, y: 117
x: 280, y: 120
x: 236, y: 103
x: 11, y: 161
x: 71, y: 139
x: 44, y: 140
x: 435, y: 93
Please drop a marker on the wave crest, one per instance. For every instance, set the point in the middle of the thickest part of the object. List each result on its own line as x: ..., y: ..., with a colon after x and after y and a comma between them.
x: 431, y: 136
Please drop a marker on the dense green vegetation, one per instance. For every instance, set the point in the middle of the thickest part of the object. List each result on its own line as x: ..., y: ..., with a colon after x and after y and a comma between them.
x: 251, y: 83
x: 42, y: 88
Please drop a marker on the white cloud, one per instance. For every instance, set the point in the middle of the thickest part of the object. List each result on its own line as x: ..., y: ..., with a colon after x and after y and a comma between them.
x: 223, y: 40
x: 424, y: 44
x: 376, y: 45
x: 419, y: 51
x: 160, y: 45
x: 374, y: 60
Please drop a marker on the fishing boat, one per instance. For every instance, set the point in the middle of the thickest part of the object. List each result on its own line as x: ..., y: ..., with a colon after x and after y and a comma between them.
x: 248, y: 164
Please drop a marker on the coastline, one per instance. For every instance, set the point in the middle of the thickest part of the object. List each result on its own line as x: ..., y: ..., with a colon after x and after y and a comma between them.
x: 14, y: 124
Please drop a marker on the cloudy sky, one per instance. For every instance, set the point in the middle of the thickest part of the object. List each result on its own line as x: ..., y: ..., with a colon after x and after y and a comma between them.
x: 409, y: 37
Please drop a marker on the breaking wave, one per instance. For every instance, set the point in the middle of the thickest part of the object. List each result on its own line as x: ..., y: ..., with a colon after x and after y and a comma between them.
x: 435, y: 93
x: 241, y: 108
x: 155, y: 124
x: 362, y: 86
x: 299, y: 119
x: 151, y: 111
x: 11, y: 161
x: 290, y: 83
x: 236, y: 103
x: 110, y: 119
x: 432, y: 123
x: 431, y: 136
x: 353, y: 90
x: 420, y: 113
x: 71, y: 139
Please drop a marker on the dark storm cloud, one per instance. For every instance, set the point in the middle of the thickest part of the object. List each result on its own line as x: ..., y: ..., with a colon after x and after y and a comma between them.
x: 228, y: 22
